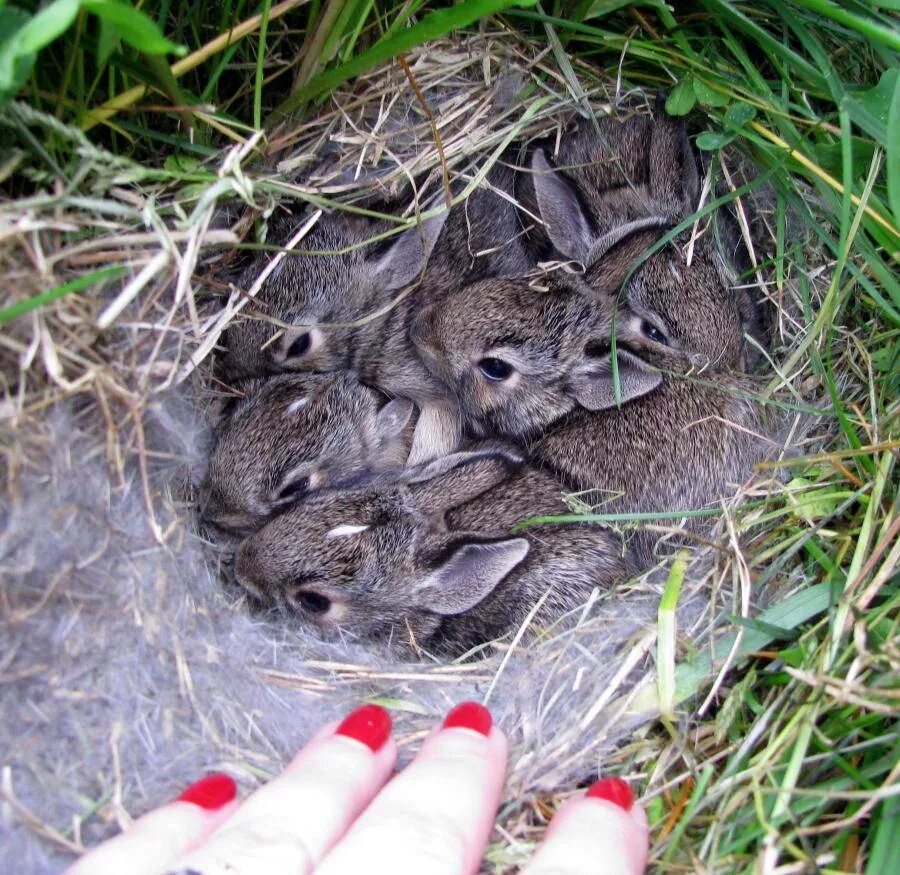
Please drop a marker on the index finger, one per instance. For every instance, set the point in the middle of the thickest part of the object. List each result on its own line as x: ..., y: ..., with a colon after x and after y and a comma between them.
x: 435, y: 817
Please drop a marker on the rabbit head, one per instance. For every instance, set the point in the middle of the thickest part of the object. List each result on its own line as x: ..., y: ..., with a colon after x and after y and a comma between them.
x: 683, y: 316
x: 293, y: 434
x: 379, y: 562
x: 335, y: 276
x: 518, y: 358
x: 623, y: 190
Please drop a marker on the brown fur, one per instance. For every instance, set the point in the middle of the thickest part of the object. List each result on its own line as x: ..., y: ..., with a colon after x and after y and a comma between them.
x: 435, y: 566
x: 554, y: 339
x: 480, y: 237
x: 683, y: 446
x: 295, y: 433
x: 622, y: 190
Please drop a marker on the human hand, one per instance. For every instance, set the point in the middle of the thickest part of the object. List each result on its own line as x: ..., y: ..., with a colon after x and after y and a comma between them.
x: 337, y: 809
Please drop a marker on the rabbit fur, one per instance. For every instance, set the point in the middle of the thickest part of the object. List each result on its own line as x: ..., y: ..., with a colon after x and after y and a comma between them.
x: 427, y: 562
x: 348, y: 314
x: 638, y: 176
x: 518, y: 355
x: 290, y: 434
x: 686, y: 435
x: 692, y: 437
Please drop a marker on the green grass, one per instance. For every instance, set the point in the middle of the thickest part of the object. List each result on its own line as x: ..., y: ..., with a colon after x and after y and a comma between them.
x: 792, y: 761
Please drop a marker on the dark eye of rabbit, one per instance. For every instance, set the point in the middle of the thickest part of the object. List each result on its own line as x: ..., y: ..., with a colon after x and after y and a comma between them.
x: 294, y: 489
x: 495, y: 369
x: 595, y: 349
x: 300, y: 346
x: 311, y: 601
x: 654, y: 333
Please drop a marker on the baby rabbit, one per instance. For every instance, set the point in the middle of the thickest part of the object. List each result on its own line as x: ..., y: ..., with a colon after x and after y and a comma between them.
x: 335, y: 278
x: 481, y: 237
x: 684, y: 446
x: 293, y: 434
x: 517, y: 357
x: 341, y: 278
x: 688, y: 435
x: 428, y: 562
x: 630, y: 184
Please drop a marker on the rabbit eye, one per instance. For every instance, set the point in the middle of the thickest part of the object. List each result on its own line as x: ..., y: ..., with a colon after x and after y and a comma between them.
x: 595, y: 349
x: 294, y: 489
x: 312, y: 602
x: 654, y: 333
x: 495, y: 369
x: 300, y: 346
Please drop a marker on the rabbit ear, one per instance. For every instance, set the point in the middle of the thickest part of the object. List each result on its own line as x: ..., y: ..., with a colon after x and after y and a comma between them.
x: 393, y: 417
x: 408, y: 254
x: 592, y: 383
x: 561, y: 211
x: 674, y: 181
x: 603, y: 244
x: 455, y: 479
x: 469, y: 574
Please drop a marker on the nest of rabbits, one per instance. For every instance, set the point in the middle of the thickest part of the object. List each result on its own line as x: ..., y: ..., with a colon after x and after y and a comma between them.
x: 133, y: 661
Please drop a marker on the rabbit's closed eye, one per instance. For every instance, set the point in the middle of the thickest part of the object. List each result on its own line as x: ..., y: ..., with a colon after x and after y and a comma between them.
x: 308, y: 600
x: 294, y: 489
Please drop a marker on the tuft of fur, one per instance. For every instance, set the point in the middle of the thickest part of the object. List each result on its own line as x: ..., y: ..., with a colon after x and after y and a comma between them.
x: 129, y: 670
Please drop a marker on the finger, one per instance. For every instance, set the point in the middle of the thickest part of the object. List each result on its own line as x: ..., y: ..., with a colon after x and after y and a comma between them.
x: 435, y: 817
x: 602, y: 831
x: 291, y: 823
x: 158, y: 838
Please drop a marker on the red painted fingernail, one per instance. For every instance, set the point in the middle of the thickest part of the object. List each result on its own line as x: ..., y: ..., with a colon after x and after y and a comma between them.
x: 370, y: 724
x: 212, y: 792
x: 470, y: 715
x: 613, y: 790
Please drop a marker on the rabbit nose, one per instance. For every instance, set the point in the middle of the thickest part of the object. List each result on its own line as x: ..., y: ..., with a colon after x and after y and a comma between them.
x: 245, y: 564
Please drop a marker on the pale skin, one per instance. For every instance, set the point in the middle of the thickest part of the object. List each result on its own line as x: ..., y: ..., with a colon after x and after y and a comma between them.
x: 339, y: 808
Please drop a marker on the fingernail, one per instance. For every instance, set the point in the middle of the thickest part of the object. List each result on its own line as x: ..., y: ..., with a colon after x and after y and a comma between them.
x: 370, y: 724
x: 212, y: 792
x: 613, y: 790
x: 470, y: 715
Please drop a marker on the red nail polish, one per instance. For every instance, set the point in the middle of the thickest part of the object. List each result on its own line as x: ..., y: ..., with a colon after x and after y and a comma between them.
x: 470, y: 715
x: 613, y: 790
x: 212, y: 792
x: 370, y: 724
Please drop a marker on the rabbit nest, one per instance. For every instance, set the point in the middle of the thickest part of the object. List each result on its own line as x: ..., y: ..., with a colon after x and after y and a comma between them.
x: 128, y: 667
